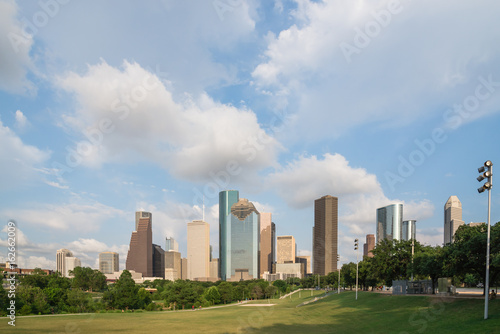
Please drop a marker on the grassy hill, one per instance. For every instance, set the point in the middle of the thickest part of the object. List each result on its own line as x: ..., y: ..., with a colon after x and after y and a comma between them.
x: 371, y: 313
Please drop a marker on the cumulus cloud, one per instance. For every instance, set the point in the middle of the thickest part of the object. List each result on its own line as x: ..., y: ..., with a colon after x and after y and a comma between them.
x: 32, y: 255
x: 18, y: 161
x: 15, y: 44
x: 77, y: 216
x: 305, y: 68
x: 129, y: 115
x: 309, y: 177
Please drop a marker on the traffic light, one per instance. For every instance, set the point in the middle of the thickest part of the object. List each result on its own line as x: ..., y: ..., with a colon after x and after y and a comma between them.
x: 355, y: 244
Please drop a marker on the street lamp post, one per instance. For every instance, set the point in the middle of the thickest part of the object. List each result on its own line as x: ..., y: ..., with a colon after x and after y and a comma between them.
x: 487, y: 173
x: 357, y: 252
x: 338, y: 285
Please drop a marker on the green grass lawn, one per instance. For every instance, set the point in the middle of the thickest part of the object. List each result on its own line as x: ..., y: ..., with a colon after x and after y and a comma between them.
x: 371, y: 313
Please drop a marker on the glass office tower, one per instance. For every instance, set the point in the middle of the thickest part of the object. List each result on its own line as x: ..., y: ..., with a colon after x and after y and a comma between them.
x: 227, y: 199
x: 409, y: 230
x: 245, y: 237
x: 390, y: 222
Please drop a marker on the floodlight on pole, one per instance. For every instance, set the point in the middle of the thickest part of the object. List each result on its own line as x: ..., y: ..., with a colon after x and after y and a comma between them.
x: 487, y: 173
x: 356, y: 247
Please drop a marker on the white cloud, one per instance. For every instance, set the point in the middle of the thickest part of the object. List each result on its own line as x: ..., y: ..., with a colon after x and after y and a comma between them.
x: 76, y: 216
x: 180, y: 36
x: 15, y: 45
x: 32, y: 255
x: 56, y: 185
x: 18, y: 161
x: 430, y: 236
x: 308, y: 178
x: 144, y: 122
x: 21, y: 120
x: 305, y: 69
x: 263, y: 207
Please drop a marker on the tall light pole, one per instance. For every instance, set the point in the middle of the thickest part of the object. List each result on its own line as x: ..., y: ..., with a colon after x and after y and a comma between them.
x: 357, y: 252
x: 487, y: 173
x: 338, y: 264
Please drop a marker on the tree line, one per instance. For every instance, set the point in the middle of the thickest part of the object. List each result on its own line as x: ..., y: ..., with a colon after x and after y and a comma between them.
x: 87, y: 291
x: 464, y: 261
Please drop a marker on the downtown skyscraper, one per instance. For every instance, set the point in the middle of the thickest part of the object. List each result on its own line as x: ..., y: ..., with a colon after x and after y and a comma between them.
x: 198, y: 249
x: 390, y: 222
x: 227, y: 199
x: 140, y: 252
x: 325, y: 235
x: 239, y: 230
x: 267, y: 243
x: 452, y: 218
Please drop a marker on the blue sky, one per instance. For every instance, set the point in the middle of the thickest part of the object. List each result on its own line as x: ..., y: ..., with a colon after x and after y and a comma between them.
x: 111, y: 107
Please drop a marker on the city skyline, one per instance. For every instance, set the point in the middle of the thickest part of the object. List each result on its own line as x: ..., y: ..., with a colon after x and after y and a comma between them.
x: 286, y: 101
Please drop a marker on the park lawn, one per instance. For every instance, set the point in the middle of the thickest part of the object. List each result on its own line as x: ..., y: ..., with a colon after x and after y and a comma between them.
x: 371, y: 313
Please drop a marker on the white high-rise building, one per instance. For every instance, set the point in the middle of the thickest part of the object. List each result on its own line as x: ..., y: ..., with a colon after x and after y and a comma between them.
x: 452, y: 218
x: 71, y: 263
x: 61, y: 260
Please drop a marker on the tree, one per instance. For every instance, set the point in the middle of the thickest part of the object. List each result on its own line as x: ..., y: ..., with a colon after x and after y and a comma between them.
x: 225, y: 291
x: 38, y: 278
x: 78, y: 300
x: 124, y: 294
x: 181, y: 293
x: 348, y: 274
x: 4, y: 301
x: 429, y: 262
x: 332, y: 278
x: 467, y: 253
x: 366, y: 273
x: 97, y: 281
x: 212, y: 295
x: 86, y: 278
x: 392, y: 260
x: 270, y: 291
x: 34, y: 298
x: 280, y: 284
x: 256, y: 292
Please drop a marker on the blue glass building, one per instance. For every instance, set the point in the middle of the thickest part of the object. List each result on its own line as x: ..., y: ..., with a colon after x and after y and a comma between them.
x: 227, y: 199
x: 239, y: 237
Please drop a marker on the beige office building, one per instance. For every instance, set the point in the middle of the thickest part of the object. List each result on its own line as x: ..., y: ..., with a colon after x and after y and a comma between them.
x: 325, y: 235
x: 184, y: 268
x: 172, y: 265
x: 61, y: 256
x: 452, y: 218
x: 267, y: 243
x: 306, y: 260
x: 108, y: 262
x: 214, y: 269
x: 198, y: 249
x: 286, y: 249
